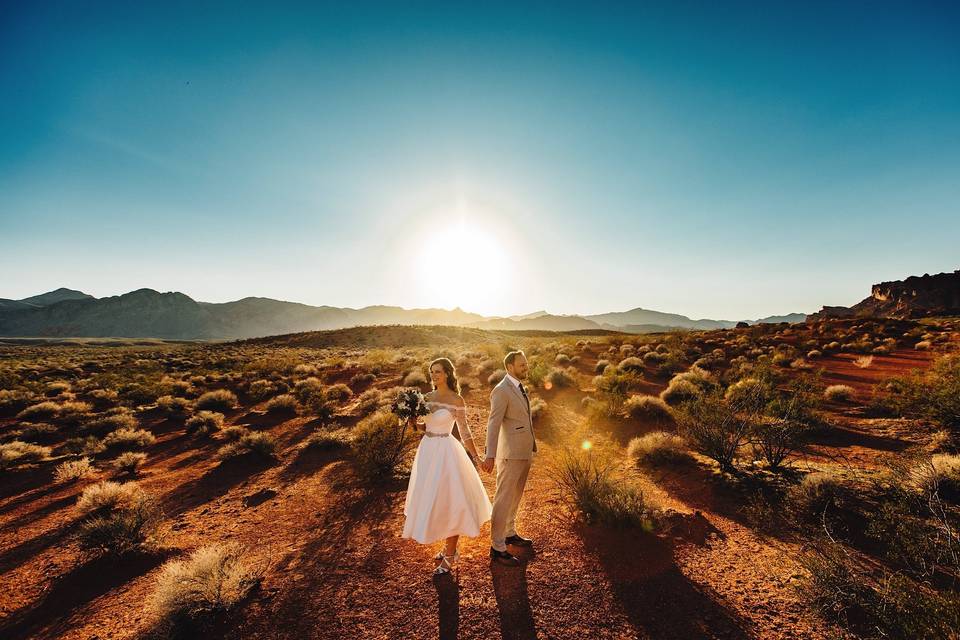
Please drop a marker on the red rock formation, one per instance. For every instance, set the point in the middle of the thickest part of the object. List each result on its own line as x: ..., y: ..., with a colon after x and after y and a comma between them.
x: 915, y: 297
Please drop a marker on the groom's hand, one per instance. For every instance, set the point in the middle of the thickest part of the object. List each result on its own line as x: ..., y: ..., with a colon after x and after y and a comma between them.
x: 487, y: 465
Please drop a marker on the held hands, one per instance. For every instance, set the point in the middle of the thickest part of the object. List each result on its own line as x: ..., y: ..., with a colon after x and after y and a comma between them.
x: 487, y: 465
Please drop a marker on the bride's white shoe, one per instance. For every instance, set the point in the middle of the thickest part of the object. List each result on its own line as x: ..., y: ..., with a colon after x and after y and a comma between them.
x: 445, y: 560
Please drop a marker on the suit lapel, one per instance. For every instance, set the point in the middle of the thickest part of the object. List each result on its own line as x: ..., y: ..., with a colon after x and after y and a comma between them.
x: 518, y: 394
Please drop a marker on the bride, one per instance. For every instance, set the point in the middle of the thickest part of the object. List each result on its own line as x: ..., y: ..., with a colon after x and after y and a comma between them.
x: 445, y: 497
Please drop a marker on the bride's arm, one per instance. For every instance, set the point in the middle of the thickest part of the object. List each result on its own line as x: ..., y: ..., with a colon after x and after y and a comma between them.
x: 465, y: 435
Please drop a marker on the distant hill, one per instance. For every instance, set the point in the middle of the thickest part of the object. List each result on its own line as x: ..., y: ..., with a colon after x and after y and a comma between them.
x: 59, y: 295
x: 913, y: 297
x: 146, y: 313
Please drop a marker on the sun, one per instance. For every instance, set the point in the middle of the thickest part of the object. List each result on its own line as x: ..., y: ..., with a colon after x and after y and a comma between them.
x: 464, y: 265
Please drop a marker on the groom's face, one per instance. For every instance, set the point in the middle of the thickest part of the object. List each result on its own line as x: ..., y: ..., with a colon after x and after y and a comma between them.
x: 519, y: 368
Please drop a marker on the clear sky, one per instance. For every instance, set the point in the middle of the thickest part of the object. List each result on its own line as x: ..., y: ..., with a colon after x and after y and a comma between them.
x: 718, y: 160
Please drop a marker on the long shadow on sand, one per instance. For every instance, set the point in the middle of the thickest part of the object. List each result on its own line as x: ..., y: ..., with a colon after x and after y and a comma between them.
x: 510, y: 589
x: 659, y: 600
x: 214, y: 483
x: 52, y: 615
x: 448, y: 606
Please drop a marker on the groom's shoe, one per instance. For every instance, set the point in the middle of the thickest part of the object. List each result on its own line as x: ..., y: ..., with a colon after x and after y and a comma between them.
x: 519, y: 541
x: 504, y: 557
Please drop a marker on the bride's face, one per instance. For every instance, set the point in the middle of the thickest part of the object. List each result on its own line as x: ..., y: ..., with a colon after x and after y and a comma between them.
x: 438, y: 376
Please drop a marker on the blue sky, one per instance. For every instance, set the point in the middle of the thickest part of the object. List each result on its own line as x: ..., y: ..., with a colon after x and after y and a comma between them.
x: 718, y: 160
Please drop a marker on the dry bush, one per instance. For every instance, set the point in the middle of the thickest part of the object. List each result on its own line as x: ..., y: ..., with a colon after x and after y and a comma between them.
x: 658, y: 447
x: 310, y: 392
x: 16, y: 453
x: 214, y: 579
x: 380, y: 445
x: 283, y: 404
x: 838, y: 393
x: 14, y: 400
x: 107, y: 495
x: 863, y: 361
x: 329, y: 440
x: 817, y: 495
x: 129, y: 439
x: 416, y: 378
x: 648, y: 409
x: 940, y: 475
x: 255, y: 443
x: 494, y: 378
x: 88, y: 445
x: 716, y: 428
x: 559, y: 378
x: 204, y: 423
x: 173, y: 407
x: 631, y: 365
x: 129, y: 463
x: 35, y: 433
x: 47, y: 410
x: 363, y: 380
x: 218, y: 400
x: 679, y: 391
x: 601, y: 367
x: 750, y: 391
x: 106, y: 423
x: 234, y: 432
x: 72, y: 470
x: 339, y: 393
x: 933, y: 394
x: 592, y: 491
x: 260, y: 390
x: 368, y: 402
x: 537, y: 406
x: 119, y: 518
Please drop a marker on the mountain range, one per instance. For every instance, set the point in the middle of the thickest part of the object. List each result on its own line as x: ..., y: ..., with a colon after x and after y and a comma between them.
x: 176, y: 316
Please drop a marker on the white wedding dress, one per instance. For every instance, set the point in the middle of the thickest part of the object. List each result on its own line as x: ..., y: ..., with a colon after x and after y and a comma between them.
x: 445, y: 496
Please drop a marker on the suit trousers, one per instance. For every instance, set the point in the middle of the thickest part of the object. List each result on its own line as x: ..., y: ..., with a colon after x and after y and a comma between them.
x: 511, y: 480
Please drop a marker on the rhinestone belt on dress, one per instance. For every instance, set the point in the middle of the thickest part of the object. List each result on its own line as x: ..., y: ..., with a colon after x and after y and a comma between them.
x: 436, y: 435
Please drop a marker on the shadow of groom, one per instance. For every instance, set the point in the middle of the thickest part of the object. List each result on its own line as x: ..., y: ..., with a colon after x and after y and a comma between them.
x: 510, y: 588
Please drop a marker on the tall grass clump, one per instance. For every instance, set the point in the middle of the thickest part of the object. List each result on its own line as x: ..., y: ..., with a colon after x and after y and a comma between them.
x: 591, y: 491
x: 380, y: 445
x: 218, y: 400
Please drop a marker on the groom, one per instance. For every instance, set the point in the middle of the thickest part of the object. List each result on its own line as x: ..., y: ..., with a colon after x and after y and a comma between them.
x: 511, y: 442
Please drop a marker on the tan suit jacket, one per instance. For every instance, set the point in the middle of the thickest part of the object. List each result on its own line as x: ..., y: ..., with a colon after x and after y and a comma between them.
x: 510, y: 426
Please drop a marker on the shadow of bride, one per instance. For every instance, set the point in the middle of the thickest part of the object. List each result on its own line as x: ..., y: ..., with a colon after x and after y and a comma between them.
x: 448, y: 605
x: 510, y: 589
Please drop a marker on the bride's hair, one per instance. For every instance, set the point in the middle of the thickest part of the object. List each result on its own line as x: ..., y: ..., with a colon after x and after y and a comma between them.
x: 452, y: 381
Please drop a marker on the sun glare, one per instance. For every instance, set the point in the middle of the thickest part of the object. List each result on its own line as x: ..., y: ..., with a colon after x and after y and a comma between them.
x: 464, y: 265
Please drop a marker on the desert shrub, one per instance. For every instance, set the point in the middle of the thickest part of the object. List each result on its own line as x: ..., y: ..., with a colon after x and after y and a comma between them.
x: 537, y: 406
x: 234, y: 432
x: 814, y: 354
x: 73, y: 412
x: 121, y: 518
x: 380, y: 445
x: 559, y: 378
x: 72, y: 470
x: 562, y: 359
x: 129, y: 439
x: 933, y: 394
x: 940, y: 475
x: 838, y: 393
x: 204, y: 423
x: 863, y: 361
x: 41, y: 411
x: 255, y: 443
x: 679, y: 391
x: 260, y: 390
x: 310, y: 392
x: 591, y: 490
x: 129, y: 462
x: 173, y: 407
x: 812, y: 500
x: 339, y: 393
x: 86, y: 445
x: 363, y: 380
x: 218, y: 400
x: 923, y: 345
x: 305, y: 370
x: 36, y: 433
x: 601, y: 366
x: 776, y: 440
x: 213, y: 580
x: 752, y: 392
x: 329, y: 440
x: 284, y: 403
x: 13, y: 400
x: 648, y: 409
x: 368, y: 402
x: 416, y: 378
x: 106, y: 423
x: 54, y: 389
x: 888, y: 605
x: 631, y: 365
x: 494, y: 378
x: 17, y: 452
x: 537, y: 372
x: 714, y: 427
x: 654, y: 358
x: 657, y: 447
x: 107, y: 495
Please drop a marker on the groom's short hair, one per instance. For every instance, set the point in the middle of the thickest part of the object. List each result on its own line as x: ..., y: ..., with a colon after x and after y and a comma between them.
x: 510, y: 357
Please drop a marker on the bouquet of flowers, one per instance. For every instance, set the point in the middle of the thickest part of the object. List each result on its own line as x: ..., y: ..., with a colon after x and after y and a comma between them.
x: 410, y: 403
